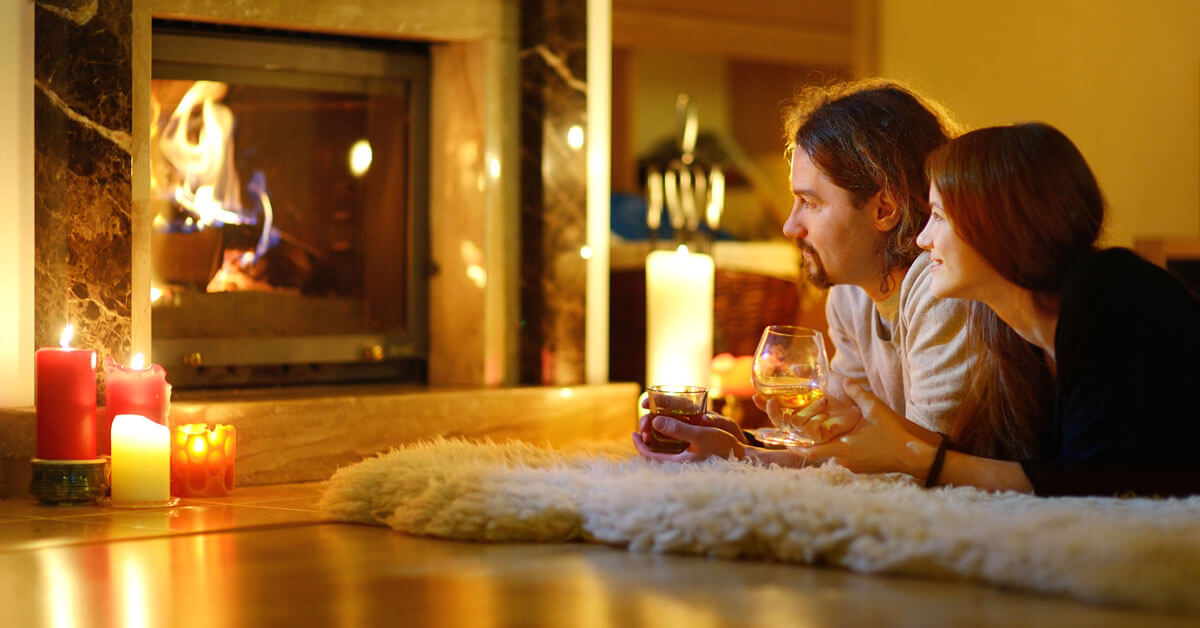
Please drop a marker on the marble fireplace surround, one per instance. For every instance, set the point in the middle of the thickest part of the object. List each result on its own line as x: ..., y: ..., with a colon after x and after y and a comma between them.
x: 305, y: 434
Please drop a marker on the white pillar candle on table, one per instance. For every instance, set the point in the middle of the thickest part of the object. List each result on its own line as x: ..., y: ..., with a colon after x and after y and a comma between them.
x: 141, y: 460
x: 679, y: 317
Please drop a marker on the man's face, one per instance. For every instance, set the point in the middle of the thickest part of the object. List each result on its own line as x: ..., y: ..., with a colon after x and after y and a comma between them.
x: 836, y: 238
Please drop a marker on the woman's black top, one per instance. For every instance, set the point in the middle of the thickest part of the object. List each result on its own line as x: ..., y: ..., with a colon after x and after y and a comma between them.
x: 1127, y: 411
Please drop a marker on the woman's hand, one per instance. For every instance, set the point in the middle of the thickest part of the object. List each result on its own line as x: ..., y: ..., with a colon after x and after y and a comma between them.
x: 882, y: 442
x: 717, y: 436
x: 837, y: 414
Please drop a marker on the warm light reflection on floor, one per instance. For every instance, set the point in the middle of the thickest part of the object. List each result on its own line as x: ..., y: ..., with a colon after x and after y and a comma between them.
x: 133, y: 588
x: 277, y: 566
x: 60, y: 584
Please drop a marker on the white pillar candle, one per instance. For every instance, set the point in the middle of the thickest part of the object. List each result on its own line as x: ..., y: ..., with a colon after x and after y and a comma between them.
x: 141, y: 460
x: 679, y: 317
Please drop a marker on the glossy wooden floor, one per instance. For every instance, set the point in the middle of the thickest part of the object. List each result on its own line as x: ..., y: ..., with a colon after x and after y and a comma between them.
x: 264, y: 557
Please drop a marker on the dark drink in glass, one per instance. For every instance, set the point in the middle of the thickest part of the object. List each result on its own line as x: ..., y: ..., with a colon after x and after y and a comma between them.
x: 685, y: 403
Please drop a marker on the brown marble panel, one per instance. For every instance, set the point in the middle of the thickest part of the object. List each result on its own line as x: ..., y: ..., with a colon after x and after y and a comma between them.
x: 553, y: 191
x: 82, y: 116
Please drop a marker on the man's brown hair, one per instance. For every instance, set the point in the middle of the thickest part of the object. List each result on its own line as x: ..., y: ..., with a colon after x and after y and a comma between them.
x: 873, y: 137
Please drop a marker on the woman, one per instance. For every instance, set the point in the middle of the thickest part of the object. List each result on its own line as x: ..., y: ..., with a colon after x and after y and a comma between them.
x: 1091, y: 355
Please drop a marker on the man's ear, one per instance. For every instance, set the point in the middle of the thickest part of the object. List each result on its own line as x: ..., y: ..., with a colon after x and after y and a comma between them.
x: 885, y: 214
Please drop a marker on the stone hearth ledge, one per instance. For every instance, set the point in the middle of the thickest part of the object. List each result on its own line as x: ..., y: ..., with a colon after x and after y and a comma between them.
x: 304, y: 434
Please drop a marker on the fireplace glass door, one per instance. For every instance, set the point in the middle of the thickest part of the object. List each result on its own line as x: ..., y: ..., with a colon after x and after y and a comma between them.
x: 289, y: 202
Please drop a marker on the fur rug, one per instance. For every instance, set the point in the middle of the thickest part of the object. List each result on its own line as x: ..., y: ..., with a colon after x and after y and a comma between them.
x: 1138, y: 552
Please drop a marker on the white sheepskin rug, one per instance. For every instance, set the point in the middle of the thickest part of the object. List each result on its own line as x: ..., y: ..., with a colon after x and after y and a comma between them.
x: 1137, y: 552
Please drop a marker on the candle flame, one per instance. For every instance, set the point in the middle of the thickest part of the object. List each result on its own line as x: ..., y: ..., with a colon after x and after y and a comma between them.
x: 138, y: 362
x: 64, y: 341
x: 682, y: 250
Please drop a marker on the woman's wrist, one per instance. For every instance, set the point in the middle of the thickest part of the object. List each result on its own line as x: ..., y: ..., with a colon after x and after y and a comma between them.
x: 933, y: 475
x: 920, y: 456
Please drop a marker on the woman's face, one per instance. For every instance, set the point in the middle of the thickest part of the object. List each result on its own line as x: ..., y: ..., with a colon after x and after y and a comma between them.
x: 957, y: 270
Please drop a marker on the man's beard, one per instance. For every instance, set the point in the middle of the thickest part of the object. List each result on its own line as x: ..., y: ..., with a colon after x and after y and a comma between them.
x: 815, y: 269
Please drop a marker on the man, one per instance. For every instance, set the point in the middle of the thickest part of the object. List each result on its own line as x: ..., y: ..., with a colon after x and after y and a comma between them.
x: 857, y: 154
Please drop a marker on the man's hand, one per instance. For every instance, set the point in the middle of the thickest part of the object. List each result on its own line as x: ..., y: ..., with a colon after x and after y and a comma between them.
x: 703, y: 441
x: 834, y: 415
x: 710, y: 419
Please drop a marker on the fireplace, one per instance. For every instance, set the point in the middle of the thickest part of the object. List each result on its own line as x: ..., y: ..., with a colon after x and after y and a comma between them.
x: 289, y: 195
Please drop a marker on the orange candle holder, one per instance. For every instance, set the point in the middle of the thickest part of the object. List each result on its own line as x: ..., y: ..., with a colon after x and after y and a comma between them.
x: 202, y: 460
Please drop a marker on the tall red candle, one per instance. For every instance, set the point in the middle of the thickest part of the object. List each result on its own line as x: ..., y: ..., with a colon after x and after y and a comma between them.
x: 65, y: 394
x: 136, y: 390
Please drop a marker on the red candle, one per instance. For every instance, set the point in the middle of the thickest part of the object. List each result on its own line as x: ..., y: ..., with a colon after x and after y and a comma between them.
x: 136, y: 390
x: 65, y: 394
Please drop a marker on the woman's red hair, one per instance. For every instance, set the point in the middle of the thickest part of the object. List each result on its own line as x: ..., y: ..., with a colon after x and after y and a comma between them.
x: 1024, y: 198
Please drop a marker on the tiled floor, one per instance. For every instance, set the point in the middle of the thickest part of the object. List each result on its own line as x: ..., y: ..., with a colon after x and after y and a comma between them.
x: 28, y: 524
x: 265, y: 557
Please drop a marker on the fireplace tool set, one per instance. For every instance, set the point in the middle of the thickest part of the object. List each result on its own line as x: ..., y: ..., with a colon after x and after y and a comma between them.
x: 688, y: 190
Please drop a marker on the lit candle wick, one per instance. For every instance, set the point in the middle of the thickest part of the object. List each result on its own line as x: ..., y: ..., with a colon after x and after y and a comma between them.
x: 64, y: 341
x: 682, y: 251
x: 138, y: 362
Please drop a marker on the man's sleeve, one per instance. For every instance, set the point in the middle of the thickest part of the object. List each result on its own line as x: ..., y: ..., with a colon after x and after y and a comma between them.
x: 937, y: 355
x: 847, y: 356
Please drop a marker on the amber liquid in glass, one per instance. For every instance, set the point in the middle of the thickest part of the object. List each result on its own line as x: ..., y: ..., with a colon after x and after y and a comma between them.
x: 665, y: 444
x: 798, y: 404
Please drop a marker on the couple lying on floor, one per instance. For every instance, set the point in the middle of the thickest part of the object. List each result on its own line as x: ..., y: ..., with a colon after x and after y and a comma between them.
x: 1013, y: 353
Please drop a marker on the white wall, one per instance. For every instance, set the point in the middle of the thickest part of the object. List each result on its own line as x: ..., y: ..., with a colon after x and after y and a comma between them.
x: 16, y: 203
x: 1120, y: 77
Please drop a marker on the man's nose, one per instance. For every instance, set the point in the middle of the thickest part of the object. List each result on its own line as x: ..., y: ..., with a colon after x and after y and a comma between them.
x: 794, y: 227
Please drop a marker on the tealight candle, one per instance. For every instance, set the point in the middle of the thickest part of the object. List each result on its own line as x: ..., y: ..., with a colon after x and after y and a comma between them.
x: 202, y: 460
x: 679, y: 317
x: 65, y: 393
x: 141, y: 460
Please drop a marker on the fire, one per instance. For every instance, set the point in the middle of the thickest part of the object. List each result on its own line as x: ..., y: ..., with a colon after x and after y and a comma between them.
x: 196, y: 144
x: 209, y: 186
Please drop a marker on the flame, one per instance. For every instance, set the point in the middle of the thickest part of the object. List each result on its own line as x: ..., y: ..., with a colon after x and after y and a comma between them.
x: 204, y: 205
x: 196, y: 144
x: 138, y: 362
x: 64, y: 340
x: 682, y: 251
x: 209, y: 187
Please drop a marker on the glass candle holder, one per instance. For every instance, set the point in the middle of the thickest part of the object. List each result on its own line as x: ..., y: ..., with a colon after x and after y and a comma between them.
x: 202, y: 460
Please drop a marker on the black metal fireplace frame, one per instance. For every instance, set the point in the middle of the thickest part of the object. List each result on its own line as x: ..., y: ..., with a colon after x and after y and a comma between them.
x: 306, y: 60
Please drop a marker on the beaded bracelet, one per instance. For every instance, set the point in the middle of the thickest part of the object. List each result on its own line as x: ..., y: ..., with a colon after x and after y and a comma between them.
x: 935, y: 469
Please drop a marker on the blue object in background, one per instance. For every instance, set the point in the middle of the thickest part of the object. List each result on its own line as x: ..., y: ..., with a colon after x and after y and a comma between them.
x: 628, y: 218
